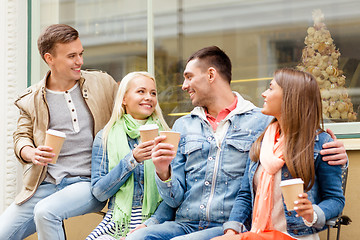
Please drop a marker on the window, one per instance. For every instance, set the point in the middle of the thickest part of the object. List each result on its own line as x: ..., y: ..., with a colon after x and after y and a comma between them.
x: 259, y: 37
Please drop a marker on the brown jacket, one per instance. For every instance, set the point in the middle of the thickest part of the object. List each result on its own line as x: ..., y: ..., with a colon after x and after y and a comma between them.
x: 98, y: 90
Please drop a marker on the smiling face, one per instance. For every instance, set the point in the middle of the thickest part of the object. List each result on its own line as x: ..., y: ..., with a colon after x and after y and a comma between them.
x: 196, y: 83
x: 66, y: 61
x: 273, y: 98
x: 140, y: 99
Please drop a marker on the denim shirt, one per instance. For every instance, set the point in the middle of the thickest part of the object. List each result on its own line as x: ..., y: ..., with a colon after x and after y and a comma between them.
x: 207, y: 170
x: 105, y: 184
x: 326, y: 195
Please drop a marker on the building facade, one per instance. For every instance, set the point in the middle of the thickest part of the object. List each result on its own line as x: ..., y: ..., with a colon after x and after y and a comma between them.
x: 13, y: 35
x: 120, y: 36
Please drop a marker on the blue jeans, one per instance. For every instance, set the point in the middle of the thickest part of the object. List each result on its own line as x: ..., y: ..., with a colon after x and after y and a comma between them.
x: 45, y: 211
x: 177, y: 231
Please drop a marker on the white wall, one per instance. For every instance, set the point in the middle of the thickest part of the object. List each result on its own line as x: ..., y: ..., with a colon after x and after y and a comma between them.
x: 13, y: 79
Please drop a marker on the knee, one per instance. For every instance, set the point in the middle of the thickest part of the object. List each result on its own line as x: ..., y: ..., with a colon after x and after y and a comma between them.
x: 179, y: 237
x: 140, y: 234
x: 42, y: 213
x: 39, y: 213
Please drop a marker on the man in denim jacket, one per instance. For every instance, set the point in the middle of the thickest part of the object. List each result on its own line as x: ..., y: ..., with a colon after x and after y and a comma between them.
x: 205, y: 176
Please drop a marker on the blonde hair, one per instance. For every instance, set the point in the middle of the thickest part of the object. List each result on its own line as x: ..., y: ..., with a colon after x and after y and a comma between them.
x: 301, y: 116
x: 119, y: 110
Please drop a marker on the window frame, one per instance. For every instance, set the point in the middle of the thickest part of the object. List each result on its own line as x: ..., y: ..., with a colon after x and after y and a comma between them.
x: 345, y: 130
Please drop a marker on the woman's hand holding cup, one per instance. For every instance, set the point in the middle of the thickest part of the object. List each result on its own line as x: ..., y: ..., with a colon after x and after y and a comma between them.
x: 304, y: 208
x: 143, y: 151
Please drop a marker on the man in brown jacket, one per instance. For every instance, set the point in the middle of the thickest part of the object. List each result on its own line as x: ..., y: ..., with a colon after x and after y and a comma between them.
x: 77, y: 103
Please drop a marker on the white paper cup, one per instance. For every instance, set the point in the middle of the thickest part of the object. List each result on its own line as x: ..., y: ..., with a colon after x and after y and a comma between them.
x: 148, y: 132
x: 290, y: 190
x: 172, y: 138
x: 54, y: 139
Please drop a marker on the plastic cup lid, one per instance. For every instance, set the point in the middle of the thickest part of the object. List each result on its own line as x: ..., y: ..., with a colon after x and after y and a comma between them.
x: 291, y: 182
x: 56, y: 133
x: 169, y: 132
x: 148, y: 127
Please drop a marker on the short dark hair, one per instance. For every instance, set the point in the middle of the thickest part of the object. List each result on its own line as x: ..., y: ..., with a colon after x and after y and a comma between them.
x: 213, y: 56
x: 53, y: 34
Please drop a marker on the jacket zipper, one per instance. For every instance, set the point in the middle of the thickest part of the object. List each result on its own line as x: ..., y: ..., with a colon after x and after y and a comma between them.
x: 44, y: 167
x: 215, y: 171
x: 217, y: 159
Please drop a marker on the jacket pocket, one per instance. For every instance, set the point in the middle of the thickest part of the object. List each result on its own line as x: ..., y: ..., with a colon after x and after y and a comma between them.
x: 31, y: 176
x: 194, y: 154
x: 237, y: 153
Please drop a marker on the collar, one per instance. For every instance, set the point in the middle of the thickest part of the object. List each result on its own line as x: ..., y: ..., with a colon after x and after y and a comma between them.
x: 81, y: 81
x: 223, y: 112
x: 221, y: 115
x: 242, y: 106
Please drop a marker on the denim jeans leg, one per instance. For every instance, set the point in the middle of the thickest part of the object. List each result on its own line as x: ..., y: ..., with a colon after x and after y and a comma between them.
x: 73, y: 200
x: 205, y: 234
x: 17, y: 221
x: 164, y: 231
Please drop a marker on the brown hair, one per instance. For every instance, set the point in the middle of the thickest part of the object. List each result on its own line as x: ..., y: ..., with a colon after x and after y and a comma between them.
x: 301, y: 115
x: 53, y: 34
x: 214, y: 57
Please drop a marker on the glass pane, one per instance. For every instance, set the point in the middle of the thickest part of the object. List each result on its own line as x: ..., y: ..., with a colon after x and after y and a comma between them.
x: 259, y: 37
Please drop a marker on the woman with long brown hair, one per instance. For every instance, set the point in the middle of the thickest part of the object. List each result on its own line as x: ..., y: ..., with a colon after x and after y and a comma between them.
x: 289, y: 148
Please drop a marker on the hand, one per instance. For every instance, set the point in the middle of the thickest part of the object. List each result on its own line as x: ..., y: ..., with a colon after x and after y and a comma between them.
x: 230, y: 232
x: 227, y: 235
x: 162, y: 155
x: 137, y: 228
x: 337, y: 149
x: 41, y: 155
x: 304, y: 208
x: 143, y: 151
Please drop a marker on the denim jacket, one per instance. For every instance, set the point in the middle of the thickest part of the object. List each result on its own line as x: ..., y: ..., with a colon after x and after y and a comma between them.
x: 207, y: 170
x: 105, y: 184
x: 326, y: 195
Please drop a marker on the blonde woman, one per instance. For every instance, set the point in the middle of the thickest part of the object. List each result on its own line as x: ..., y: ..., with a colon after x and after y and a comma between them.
x: 289, y: 148
x: 120, y: 167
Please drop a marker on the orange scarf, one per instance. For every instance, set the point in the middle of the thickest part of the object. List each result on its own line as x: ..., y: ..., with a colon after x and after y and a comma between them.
x: 272, y: 160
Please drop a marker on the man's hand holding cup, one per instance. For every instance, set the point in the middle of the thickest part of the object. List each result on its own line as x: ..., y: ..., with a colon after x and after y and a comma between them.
x: 164, y: 152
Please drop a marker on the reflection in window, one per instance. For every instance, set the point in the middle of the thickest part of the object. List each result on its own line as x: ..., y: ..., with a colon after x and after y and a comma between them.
x: 258, y: 36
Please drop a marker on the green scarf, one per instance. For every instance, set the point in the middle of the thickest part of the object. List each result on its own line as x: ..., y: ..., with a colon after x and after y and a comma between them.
x: 117, y: 149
